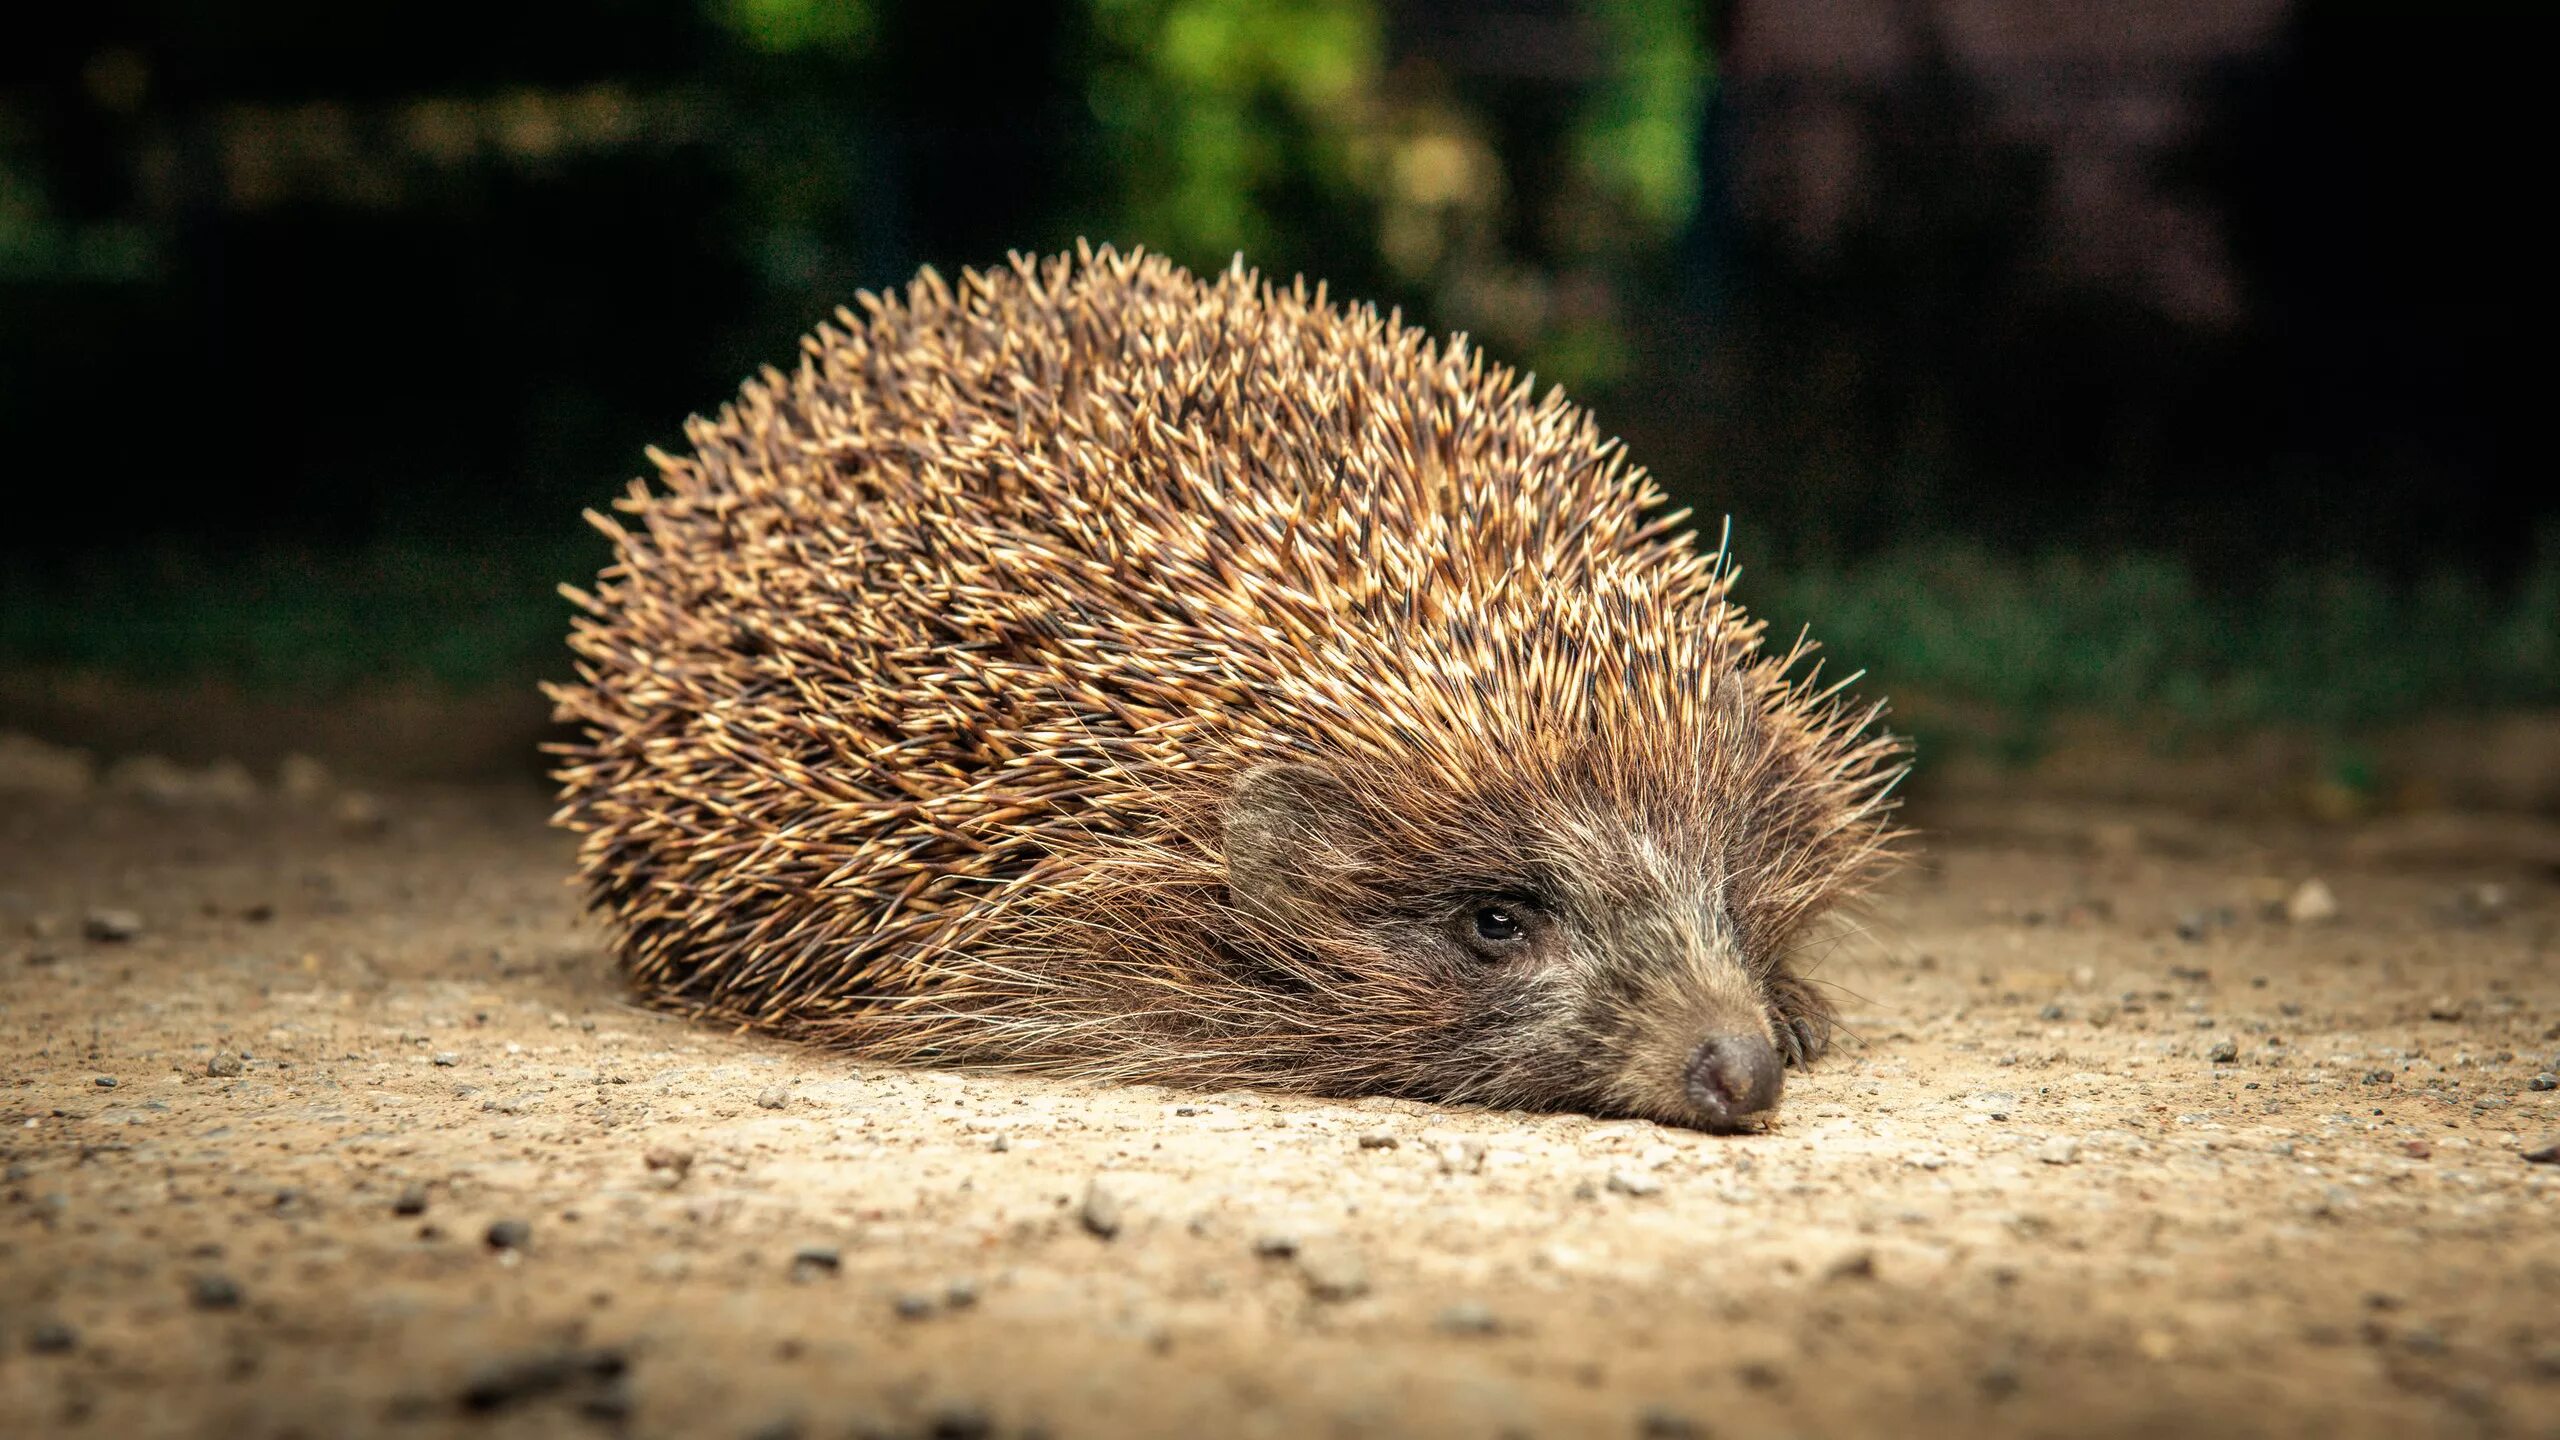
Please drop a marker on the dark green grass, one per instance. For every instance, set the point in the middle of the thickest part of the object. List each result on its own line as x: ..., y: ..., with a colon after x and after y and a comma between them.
x: 2337, y: 650
x: 1986, y: 648
x: 302, y: 623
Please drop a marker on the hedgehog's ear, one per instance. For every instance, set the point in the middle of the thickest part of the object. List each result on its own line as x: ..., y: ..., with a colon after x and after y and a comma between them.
x: 1294, y: 838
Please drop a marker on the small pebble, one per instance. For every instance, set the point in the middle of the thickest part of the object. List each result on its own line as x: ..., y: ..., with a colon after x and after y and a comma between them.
x: 52, y: 1338
x: 1333, y: 1270
x: 1997, y: 1380
x: 2480, y: 904
x: 2312, y: 903
x: 509, y: 1235
x: 1658, y: 1423
x: 2224, y: 1052
x: 213, y: 1292
x: 2059, y: 1152
x: 814, y: 1262
x: 959, y: 1420
x: 361, y: 814
x: 512, y: 1381
x: 1379, y: 1140
x: 1856, y: 1265
x: 2051, y: 1012
x: 1459, y: 1157
x: 1634, y: 1182
x: 960, y: 1294
x: 111, y: 927
x: 105, y: 1082
x: 1104, y: 1207
x: 2546, y: 1153
x: 447, y: 1058
x: 773, y: 1097
x: 1467, y: 1318
x: 412, y: 1201
x: 2416, y: 1149
x: 611, y: 1401
x: 2544, y: 1081
x: 223, y: 1065
x: 1275, y: 1245
x: 911, y: 1306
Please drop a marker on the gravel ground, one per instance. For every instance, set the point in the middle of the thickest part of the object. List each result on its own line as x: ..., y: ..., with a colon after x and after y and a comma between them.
x: 326, y: 1118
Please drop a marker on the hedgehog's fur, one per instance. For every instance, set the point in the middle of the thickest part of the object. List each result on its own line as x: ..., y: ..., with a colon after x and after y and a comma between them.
x: 1104, y: 670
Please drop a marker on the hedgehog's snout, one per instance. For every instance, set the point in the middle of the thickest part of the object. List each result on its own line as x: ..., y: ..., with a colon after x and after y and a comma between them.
x: 1733, y: 1080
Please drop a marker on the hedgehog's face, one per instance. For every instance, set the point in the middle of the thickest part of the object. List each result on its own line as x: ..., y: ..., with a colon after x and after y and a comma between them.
x: 1561, y: 955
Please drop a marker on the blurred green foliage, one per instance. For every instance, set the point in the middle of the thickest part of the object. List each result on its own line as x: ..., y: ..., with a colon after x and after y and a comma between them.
x: 1639, y: 135
x: 1286, y: 131
x: 782, y: 27
x: 1280, y: 129
x: 1212, y: 108
x: 2336, y: 650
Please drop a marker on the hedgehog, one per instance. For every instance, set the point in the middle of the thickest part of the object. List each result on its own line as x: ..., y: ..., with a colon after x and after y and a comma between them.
x: 1093, y: 668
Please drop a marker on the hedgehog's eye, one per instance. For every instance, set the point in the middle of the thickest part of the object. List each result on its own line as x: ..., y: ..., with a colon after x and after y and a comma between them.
x: 1497, y: 929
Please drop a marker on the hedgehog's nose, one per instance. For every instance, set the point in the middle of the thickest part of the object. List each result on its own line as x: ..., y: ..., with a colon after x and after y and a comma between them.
x: 1734, y: 1080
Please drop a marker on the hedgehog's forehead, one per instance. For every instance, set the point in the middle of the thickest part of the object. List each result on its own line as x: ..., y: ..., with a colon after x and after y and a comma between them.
x: 1606, y: 856
x: 1649, y: 774
x: 1618, y: 829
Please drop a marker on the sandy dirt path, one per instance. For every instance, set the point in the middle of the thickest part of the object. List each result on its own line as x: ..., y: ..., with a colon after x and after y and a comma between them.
x: 355, y: 1135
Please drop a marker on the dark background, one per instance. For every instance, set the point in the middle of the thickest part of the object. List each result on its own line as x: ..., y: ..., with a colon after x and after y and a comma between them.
x: 2222, y: 302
